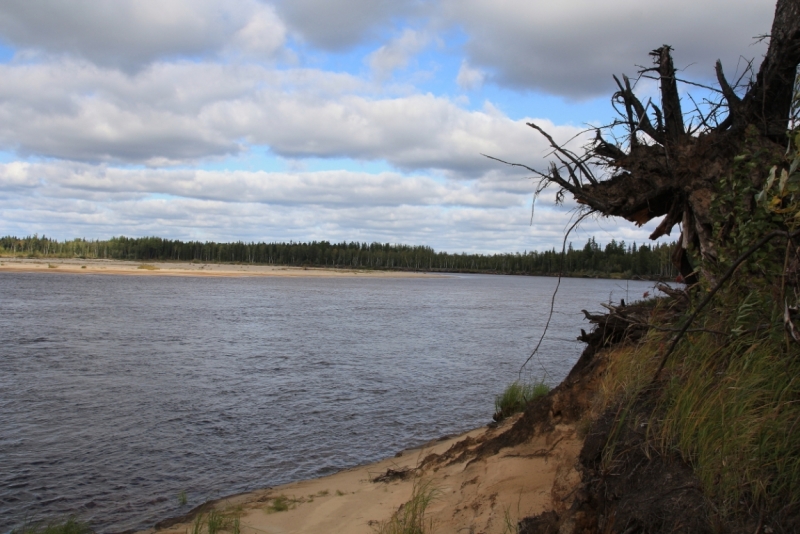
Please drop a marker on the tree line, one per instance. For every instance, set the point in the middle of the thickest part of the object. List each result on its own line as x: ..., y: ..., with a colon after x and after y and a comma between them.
x: 615, y: 259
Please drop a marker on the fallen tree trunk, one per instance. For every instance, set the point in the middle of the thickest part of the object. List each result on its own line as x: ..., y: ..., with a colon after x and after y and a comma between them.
x: 666, y: 168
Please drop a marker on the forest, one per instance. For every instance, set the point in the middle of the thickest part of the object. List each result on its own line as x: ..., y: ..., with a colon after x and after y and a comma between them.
x: 616, y: 259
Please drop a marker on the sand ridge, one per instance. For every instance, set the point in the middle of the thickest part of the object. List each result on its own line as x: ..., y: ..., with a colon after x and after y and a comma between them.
x: 138, y: 268
x: 484, y: 496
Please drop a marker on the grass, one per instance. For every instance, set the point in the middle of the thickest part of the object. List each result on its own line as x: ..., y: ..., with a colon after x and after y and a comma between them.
x: 148, y: 267
x: 732, y: 411
x: 729, y: 404
x: 281, y: 503
x: 182, y: 499
x: 216, y: 522
x: 509, y: 524
x: 516, y: 397
x: 70, y: 526
x: 410, y: 518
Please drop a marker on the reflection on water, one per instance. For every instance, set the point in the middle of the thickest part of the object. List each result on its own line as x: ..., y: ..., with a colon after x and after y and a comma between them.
x: 117, y: 393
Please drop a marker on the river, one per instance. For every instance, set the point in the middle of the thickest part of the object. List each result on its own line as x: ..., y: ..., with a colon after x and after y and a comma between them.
x: 117, y: 393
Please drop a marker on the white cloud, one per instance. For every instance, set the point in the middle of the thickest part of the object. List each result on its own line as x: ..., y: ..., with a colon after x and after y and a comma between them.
x: 469, y: 78
x: 397, y: 53
x: 262, y: 36
x: 572, y: 48
x: 71, y: 199
x: 167, y: 114
x: 98, y: 87
x: 339, y: 24
x: 129, y: 34
x: 331, y: 188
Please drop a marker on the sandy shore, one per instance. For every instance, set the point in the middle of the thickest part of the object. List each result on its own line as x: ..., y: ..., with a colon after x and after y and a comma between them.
x: 119, y: 267
x: 483, y: 495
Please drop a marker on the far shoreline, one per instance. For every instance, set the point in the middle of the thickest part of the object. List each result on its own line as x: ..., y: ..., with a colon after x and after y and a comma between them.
x: 222, y: 269
x: 199, y: 269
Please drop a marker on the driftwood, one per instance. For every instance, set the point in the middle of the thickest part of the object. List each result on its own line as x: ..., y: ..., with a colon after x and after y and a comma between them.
x: 621, y: 323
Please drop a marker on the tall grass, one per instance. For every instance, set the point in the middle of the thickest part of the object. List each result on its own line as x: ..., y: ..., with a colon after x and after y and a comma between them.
x: 410, y: 518
x: 516, y: 396
x: 730, y: 405
x: 732, y: 409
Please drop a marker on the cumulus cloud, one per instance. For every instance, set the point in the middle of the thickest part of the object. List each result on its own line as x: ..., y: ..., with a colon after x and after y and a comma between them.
x: 168, y: 115
x: 339, y: 24
x: 572, y: 48
x: 332, y: 188
x: 397, y: 53
x: 126, y: 101
x: 67, y: 199
x: 129, y: 34
x: 469, y: 78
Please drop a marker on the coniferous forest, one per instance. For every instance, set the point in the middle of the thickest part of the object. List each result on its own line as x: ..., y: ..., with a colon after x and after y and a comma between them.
x: 616, y: 259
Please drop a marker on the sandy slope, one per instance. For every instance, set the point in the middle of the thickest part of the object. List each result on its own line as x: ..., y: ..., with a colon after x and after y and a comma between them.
x: 480, y: 496
x: 184, y: 269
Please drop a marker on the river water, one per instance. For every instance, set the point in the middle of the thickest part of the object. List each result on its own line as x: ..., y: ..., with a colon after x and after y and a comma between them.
x: 119, y: 392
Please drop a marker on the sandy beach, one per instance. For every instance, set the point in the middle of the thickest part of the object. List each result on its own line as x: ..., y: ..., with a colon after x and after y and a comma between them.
x: 137, y: 268
x: 472, y: 494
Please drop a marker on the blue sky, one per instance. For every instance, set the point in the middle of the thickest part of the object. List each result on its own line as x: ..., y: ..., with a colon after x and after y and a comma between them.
x: 346, y: 120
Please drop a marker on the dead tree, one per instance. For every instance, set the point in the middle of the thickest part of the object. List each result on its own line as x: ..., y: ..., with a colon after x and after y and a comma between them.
x: 666, y: 168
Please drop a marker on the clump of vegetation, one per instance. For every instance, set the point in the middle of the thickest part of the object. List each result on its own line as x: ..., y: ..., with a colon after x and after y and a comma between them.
x: 281, y: 503
x: 148, y: 267
x: 410, y: 518
x: 215, y: 522
x: 516, y: 398
x: 182, y: 499
x: 52, y: 266
x: 70, y: 526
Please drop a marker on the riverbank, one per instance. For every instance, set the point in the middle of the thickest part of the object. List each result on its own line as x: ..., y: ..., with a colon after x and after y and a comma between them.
x: 470, y: 493
x: 133, y: 268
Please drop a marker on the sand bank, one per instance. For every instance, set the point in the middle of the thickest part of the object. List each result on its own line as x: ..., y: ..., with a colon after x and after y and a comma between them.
x: 473, y: 495
x: 119, y: 267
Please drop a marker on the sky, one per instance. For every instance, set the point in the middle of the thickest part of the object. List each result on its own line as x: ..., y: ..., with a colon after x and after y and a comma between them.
x: 338, y: 120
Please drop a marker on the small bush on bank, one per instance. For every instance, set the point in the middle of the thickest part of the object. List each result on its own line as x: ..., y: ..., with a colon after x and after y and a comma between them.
x: 516, y: 397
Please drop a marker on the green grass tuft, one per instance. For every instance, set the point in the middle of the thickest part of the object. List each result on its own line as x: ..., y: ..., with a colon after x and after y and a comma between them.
x: 410, y: 518
x: 215, y: 522
x: 516, y: 397
x: 281, y: 503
